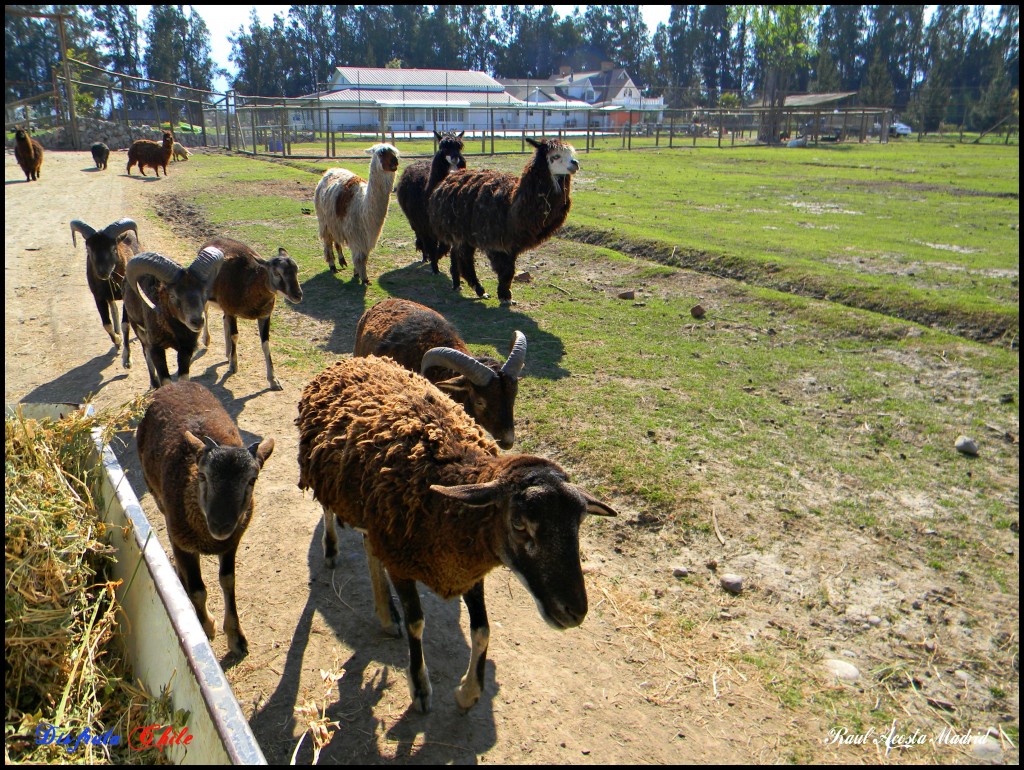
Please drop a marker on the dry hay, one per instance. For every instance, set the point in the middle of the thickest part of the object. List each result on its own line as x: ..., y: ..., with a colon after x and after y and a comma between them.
x: 63, y: 666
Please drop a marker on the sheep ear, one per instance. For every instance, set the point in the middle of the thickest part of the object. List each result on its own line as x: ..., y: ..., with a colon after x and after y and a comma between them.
x: 193, y: 442
x: 456, y: 386
x: 262, y: 450
x: 210, y: 443
x: 473, y: 495
x: 595, y: 507
x: 283, y: 252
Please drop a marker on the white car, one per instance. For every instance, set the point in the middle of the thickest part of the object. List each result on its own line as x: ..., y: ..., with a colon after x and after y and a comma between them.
x: 900, y: 129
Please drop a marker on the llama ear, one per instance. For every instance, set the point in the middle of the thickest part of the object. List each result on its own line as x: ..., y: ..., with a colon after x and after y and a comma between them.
x: 438, y: 136
x: 461, y: 134
x: 533, y: 142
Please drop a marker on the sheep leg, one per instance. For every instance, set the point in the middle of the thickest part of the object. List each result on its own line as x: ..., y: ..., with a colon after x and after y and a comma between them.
x: 116, y: 319
x: 206, y: 327
x: 382, y: 602
x: 126, y: 354
x: 105, y: 307
x: 155, y: 380
x: 192, y: 579
x: 184, y: 363
x: 231, y: 342
x: 472, y: 684
x: 264, y: 324
x: 237, y: 642
x: 419, y: 677
x: 505, y: 267
x: 330, y: 540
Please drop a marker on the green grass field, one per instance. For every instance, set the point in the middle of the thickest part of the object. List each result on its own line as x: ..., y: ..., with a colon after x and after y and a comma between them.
x: 821, y: 410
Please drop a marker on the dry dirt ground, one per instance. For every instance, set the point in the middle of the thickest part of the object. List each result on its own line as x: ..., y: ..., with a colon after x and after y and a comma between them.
x: 609, y: 692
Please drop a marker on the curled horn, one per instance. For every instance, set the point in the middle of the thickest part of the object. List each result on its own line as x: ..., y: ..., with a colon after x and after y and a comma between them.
x: 516, y: 357
x: 156, y: 265
x: 121, y: 226
x: 207, y: 265
x: 78, y: 226
x: 466, y: 365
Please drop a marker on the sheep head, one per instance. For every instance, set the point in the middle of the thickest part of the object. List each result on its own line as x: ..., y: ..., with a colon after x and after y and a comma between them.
x: 488, y: 395
x: 188, y: 290
x: 284, y: 276
x: 541, y: 514
x: 226, y: 476
x: 102, y: 252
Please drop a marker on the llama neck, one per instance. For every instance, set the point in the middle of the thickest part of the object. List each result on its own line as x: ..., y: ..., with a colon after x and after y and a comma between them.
x: 438, y: 170
x: 378, y: 191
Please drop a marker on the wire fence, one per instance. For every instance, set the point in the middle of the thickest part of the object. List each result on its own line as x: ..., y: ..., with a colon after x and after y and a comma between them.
x: 94, y: 104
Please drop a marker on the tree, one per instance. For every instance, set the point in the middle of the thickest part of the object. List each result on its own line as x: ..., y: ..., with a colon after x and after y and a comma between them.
x: 782, y: 35
x: 878, y: 90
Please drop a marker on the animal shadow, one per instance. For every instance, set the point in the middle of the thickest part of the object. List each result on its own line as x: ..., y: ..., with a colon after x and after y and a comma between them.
x: 334, y: 298
x: 342, y: 598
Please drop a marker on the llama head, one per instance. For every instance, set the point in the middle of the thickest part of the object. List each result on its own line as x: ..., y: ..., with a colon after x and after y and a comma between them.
x: 384, y: 155
x: 560, y: 157
x: 450, y: 144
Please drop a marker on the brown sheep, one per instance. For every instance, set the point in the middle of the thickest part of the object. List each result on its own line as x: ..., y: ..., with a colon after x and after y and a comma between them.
x: 107, y: 252
x: 247, y: 287
x: 29, y: 154
x: 422, y: 340
x: 389, y: 454
x: 146, y: 152
x: 501, y: 214
x: 201, y: 477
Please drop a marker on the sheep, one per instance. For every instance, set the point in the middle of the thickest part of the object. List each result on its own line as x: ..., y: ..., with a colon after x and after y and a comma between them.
x: 146, y: 152
x: 176, y: 317
x: 387, y: 453
x: 247, y: 287
x: 351, y: 210
x: 100, y: 155
x: 107, y: 252
x: 201, y: 477
x: 416, y: 184
x: 180, y: 153
x: 29, y: 154
x: 503, y: 215
x: 422, y: 340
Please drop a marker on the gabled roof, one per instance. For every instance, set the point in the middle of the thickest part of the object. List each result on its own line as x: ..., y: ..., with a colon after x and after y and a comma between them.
x: 373, y: 97
x: 387, y: 79
x: 817, y: 100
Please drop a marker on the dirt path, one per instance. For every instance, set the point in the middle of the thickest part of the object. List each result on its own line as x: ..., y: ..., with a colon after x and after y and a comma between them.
x: 585, y: 696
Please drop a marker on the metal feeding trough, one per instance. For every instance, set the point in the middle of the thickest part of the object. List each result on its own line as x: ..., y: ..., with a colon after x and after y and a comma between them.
x: 166, y: 646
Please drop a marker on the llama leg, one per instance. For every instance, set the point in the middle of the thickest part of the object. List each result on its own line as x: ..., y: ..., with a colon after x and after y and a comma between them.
x: 341, y: 255
x: 467, y: 266
x: 472, y: 684
x: 329, y: 252
x: 359, y: 268
x: 419, y: 678
x: 505, y: 267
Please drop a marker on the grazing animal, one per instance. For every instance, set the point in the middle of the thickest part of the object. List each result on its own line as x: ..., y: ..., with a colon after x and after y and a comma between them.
x: 503, y: 215
x: 247, y: 287
x: 165, y: 304
x: 100, y: 155
x: 202, y: 477
x: 422, y: 340
x: 107, y: 252
x: 416, y: 184
x: 29, y: 154
x: 390, y: 455
x: 146, y: 152
x: 180, y: 153
x: 352, y: 211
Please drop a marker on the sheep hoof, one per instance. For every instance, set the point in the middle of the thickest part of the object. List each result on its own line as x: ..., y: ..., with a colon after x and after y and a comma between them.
x: 211, y: 632
x: 465, y: 700
x: 333, y: 269
x: 276, y: 385
x: 238, y: 644
x: 330, y: 561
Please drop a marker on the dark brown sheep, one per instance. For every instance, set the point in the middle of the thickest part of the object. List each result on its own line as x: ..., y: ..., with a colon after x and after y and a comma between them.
x: 201, y: 476
x: 146, y: 152
x: 422, y: 340
x: 387, y: 453
x: 416, y: 184
x: 29, y: 154
x: 503, y: 215
x: 107, y: 252
x: 100, y: 155
x: 247, y: 287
